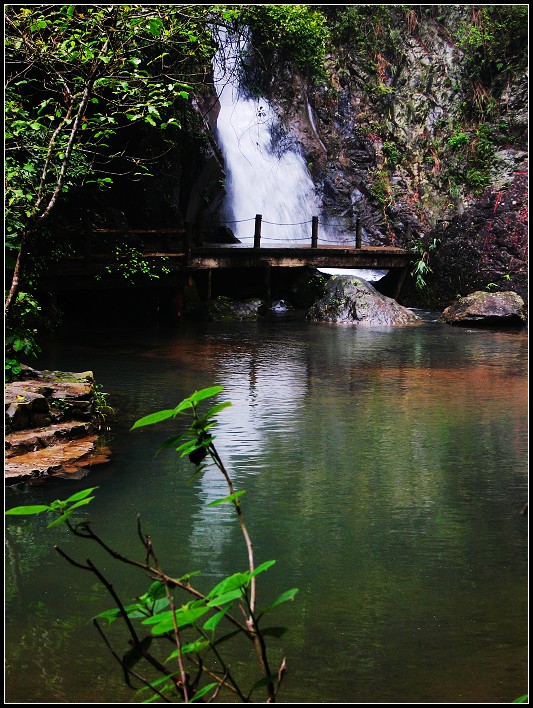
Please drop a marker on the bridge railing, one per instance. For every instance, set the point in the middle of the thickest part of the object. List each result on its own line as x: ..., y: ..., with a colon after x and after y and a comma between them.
x: 257, y: 238
x: 105, y: 241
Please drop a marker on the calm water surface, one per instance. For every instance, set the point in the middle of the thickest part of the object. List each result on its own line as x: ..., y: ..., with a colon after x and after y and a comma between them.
x: 385, y: 470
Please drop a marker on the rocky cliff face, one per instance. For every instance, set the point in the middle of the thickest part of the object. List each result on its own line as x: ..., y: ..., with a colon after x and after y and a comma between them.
x: 421, y: 131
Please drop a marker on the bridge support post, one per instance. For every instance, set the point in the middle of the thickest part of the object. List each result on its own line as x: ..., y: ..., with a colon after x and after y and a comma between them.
x: 209, y: 292
x: 198, y: 240
x: 268, y: 294
x: 314, y: 232
x: 400, y: 281
x: 188, y: 240
x: 257, y: 232
x: 358, y: 233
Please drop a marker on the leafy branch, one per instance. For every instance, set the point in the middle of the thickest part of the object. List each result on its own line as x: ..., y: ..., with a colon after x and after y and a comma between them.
x: 202, y: 673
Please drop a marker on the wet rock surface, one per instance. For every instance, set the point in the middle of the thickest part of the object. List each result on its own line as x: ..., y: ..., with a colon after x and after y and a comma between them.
x: 352, y: 300
x: 483, y: 308
x: 50, y: 425
x: 223, y: 308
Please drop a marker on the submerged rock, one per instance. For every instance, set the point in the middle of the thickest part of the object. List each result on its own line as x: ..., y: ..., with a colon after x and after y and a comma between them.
x: 484, y: 308
x: 352, y: 300
x: 280, y: 306
x: 223, y: 308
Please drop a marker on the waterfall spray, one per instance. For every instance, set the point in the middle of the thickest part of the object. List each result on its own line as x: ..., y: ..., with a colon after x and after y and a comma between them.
x: 266, y: 172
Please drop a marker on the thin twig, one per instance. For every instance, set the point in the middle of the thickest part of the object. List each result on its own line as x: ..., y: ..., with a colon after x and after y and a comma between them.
x: 127, y: 668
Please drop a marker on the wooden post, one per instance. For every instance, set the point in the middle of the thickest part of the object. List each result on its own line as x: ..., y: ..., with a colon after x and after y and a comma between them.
x: 408, y: 232
x: 87, y: 245
x: 257, y: 233
x: 314, y: 232
x: 358, y: 233
x: 198, y: 234
x: 209, y: 284
x: 400, y: 281
x: 188, y: 239
x: 268, y: 294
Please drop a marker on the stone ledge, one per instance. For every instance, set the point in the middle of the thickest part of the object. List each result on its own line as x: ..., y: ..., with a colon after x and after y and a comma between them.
x: 50, y: 426
x: 35, y: 439
x: 63, y: 459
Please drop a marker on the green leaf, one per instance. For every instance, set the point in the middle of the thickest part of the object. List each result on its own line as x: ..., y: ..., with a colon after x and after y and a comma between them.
x: 185, y: 616
x: 171, y: 442
x: 192, y: 648
x: 109, y: 615
x: 226, y: 597
x: 216, y: 409
x: 157, y: 683
x: 205, y: 393
x: 237, y: 580
x: 521, y: 699
x: 185, y: 578
x: 184, y: 405
x: 60, y: 520
x: 213, y: 622
x: 156, y: 591
x: 35, y: 509
x: 284, y: 597
x: 153, y: 418
x: 225, y: 500
x: 80, y: 495
x: 82, y: 502
x: 261, y: 568
x: 202, y: 692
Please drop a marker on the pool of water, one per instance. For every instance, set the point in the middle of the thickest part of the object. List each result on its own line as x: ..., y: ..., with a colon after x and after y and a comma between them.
x: 385, y: 471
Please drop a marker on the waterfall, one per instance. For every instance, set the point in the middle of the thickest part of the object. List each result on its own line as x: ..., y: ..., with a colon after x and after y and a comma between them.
x: 266, y: 172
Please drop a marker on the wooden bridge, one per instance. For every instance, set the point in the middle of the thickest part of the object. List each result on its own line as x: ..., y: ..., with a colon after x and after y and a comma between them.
x: 178, y: 250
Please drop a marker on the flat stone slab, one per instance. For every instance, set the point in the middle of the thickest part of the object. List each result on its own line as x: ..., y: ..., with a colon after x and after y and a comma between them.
x: 64, y: 459
x: 34, y: 439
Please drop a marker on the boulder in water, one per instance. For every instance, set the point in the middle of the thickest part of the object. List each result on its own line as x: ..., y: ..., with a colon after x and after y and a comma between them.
x: 223, y: 308
x: 352, y: 300
x: 483, y: 308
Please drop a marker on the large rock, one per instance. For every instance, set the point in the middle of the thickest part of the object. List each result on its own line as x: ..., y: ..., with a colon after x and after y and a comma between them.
x: 43, y: 397
x: 484, y: 308
x: 50, y: 421
x: 351, y: 300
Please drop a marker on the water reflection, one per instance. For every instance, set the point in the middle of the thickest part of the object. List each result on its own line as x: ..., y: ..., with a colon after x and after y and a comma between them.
x: 384, y: 470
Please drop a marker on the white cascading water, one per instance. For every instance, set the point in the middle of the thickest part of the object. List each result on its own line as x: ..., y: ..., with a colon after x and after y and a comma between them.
x: 261, y: 177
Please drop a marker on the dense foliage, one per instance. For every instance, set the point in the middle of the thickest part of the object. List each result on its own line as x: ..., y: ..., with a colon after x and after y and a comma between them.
x: 76, y: 76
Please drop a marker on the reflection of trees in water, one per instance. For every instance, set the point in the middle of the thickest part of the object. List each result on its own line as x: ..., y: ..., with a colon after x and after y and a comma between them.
x: 38, y: 657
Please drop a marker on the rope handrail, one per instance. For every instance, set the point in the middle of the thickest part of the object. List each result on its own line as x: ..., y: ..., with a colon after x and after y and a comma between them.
x: 273, y: 238
x: 278, y: 223
x: 239, y: 221
x: 275, y: 223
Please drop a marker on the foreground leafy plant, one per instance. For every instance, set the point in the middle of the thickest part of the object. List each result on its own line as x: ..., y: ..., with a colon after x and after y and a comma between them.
x: 194, y: 627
